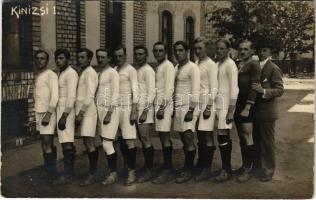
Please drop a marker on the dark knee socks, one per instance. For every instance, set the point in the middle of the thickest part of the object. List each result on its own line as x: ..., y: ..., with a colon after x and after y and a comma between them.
x: 167, y: 157
x: 69, y: 161
x: 225, y: 147
x: 112, y: 161
x: 131, y: 157
x: 209, y: 154
x: 249, y: 156
x: 148, y: 157
x: 124, y: 150
x: 50, y: 162
x: 93, y: 161
x: 189, y: 159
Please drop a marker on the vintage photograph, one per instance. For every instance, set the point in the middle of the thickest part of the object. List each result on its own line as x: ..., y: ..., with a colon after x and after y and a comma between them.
x: 157, y: 99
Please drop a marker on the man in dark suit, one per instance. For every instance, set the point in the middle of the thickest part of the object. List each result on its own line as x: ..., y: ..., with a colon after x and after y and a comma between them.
x: 248, y: 73
x: 266, y: 109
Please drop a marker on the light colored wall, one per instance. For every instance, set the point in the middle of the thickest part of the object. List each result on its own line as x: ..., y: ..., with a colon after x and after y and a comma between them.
x: 178, y: 8
x: 93, y: 27
x: 129, y: 27
x: 48, y: 31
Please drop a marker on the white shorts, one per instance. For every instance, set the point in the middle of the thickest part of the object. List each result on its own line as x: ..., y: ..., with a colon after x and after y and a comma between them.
x: 67, y: 135
x: 221, y: 117
x: 164, y: 125
x: 109, y: 130
x: 45, y: 130
x: 150, y: 116
x: 206, y: 124
x: 88, y: 126
x: 179, y: 124
x: 128, y: 131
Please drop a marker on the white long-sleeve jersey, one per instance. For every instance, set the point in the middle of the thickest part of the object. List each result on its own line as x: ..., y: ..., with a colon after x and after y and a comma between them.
x: 187, y: 89
x: 128, y: 85
x: 46, y: 91
x: 67, y: 82
x: 108, y: 90
x: 165, y: 77
x: 87, y: 86
x: 146, y: 86
x: 209, y: 83
x: 227, y: 83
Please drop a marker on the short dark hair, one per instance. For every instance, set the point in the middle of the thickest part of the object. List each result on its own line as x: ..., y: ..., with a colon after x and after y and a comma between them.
x: 226, y: 42
x: 62, y: 51
x: 160, y: 43
x: 88, y: 52
x: 200, y: 39
x: 247, y: 41
x: 118, y: 47
x: 182, y: 43
x: 209, y: 42
x: 41, y: 51
x: 141, y: 47
x: 101, y: 49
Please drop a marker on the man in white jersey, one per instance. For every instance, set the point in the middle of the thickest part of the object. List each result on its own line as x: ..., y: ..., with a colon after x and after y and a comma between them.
x: 225, y: 104
x: 86, y: 111
x: 208, y: 91
x: 128, y: 93
x: 46, y: 98
x: 68, y: 80
x: 187, y: 92
x: 145, y: 109
x: 165, y: 76
x: 108, y: 111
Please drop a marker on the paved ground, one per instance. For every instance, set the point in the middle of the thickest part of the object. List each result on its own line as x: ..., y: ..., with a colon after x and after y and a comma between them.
x: 293, y: 177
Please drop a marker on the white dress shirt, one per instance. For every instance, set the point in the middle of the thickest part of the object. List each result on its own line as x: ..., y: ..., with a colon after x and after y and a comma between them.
x: 87, y: 87
x: 128, y: 85
x: 187, y: 89
x: 209, y: 84
x: 165, y: 77
x: 146, y: 86
x: 262, y: 63
x: 108, y: 90
x: 68, y: 80
x: 46, y: 91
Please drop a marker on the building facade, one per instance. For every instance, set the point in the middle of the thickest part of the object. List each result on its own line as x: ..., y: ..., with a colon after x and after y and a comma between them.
x: 73, y: 24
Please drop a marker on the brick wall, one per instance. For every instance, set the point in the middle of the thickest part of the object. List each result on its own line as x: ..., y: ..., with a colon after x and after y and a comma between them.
x: 103, y: 6
x: 82, y: 24
x: 123, y: 22
x: 28, y: 77
x: 66, y: 26
x: 139, y: 23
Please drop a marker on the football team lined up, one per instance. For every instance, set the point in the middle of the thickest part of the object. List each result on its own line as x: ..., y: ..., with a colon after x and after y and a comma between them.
x: 124, y: 102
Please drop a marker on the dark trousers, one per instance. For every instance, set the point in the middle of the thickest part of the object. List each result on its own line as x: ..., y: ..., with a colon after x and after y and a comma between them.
x: 266, y: 145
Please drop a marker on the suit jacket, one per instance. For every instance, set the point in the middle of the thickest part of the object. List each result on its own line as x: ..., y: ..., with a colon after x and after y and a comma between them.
x: 266, y: 107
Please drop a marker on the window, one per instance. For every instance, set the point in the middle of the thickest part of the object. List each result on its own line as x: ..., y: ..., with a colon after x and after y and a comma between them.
x: 166, y: 32
x: 113, y: 25
x: 17, y: 35
x: 189, y: 35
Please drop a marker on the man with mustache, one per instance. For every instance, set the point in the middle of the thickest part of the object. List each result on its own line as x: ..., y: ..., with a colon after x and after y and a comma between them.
x: 248, y: 73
